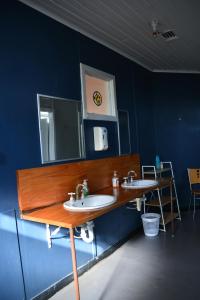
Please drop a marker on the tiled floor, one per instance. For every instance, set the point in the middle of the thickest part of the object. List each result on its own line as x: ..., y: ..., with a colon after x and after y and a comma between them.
x: 163, y: 268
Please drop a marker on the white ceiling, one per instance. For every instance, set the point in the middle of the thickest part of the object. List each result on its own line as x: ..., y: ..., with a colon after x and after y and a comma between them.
x: 124, y: 26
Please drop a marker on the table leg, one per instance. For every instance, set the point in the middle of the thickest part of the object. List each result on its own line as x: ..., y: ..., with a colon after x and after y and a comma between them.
x: 74, y: 264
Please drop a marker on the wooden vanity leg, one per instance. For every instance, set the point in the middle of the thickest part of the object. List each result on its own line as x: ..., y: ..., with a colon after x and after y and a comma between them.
x: 74, y: 264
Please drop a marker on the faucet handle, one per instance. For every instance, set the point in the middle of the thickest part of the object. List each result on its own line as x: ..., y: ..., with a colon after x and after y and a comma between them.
x: 125, y: 180
x: 72, y: 198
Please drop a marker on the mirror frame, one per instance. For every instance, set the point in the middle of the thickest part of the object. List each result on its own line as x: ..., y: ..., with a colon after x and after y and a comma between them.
x: 81, y: 138
x: 129, y: 134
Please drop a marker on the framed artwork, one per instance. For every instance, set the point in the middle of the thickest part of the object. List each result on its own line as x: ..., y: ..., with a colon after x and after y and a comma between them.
x: 98, y: 94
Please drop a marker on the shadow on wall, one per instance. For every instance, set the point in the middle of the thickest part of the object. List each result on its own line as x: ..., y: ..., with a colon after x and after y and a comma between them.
x: 25, y: 257
x: 26, y: 268
x: 11, y: 278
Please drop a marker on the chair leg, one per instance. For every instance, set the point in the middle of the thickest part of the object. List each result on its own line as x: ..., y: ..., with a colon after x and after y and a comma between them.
x: 194, y: 197
x: 190, y: 202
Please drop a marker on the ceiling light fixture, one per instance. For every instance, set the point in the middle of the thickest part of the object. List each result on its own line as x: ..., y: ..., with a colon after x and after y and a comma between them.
x: 154, y: 25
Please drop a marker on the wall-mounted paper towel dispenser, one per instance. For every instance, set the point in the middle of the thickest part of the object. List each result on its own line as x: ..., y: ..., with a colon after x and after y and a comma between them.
x: 100, y: 138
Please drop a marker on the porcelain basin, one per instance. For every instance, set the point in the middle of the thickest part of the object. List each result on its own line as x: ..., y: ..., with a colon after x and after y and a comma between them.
x: 139, y: 184
x: 91, y: 202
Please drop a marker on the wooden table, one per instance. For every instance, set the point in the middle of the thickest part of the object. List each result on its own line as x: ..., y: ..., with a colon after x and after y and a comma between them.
x: 58, y: 216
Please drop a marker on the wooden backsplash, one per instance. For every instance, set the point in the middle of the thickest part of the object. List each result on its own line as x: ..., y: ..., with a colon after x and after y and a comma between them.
x: 43, y: 186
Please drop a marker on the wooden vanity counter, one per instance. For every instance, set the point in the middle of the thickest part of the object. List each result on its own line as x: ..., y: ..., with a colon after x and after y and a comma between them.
x: 42, y: 192
x: 57, y: 215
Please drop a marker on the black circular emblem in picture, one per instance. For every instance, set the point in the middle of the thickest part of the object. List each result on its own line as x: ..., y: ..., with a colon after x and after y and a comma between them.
x: 97, y: 98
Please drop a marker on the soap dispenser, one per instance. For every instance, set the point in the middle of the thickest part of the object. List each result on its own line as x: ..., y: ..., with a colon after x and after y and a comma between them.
x: 115, y: 180
x: 157, y: 162
x: 85, y: 188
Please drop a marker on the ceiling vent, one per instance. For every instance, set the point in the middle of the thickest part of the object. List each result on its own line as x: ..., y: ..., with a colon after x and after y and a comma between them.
x: 169, y: 35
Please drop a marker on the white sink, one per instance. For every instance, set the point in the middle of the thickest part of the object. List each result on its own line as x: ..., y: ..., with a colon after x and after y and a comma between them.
x: 91, y: 202
x: 139, y: 184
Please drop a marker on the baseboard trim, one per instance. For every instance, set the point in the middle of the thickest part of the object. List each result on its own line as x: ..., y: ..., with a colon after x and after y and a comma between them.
x: 46, y: 294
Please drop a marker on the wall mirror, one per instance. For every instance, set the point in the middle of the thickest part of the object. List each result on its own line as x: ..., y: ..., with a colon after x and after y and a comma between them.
x: 61, y: 129
x: 124, y: 132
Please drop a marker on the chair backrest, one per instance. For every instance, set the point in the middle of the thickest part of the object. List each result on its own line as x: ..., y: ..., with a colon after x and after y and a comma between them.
x: 194, y: 176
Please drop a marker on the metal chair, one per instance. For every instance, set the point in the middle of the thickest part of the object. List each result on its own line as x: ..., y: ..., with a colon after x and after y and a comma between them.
x: 194, y: 180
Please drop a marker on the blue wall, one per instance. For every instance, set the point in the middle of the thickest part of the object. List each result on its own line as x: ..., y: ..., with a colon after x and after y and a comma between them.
x: 39, y: 55
x: 145, y: 117
x: 177, y: 125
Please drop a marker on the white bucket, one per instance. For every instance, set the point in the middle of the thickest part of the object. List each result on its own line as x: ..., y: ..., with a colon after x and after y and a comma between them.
x: 150, y: 224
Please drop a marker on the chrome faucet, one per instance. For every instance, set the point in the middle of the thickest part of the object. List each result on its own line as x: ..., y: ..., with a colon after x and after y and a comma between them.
x: 77, y: 191
x: 130, y: 177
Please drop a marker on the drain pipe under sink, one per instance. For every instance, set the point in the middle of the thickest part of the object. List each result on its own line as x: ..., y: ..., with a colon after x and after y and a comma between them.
x: 87, y: 233
x: 137, y: 202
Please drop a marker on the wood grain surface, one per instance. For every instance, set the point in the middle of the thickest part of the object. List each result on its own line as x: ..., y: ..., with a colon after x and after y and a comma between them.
x: 57, y: 215
x: 45, y: 186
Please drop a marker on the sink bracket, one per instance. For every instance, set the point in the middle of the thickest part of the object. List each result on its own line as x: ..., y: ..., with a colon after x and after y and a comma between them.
x: 50, y: 235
